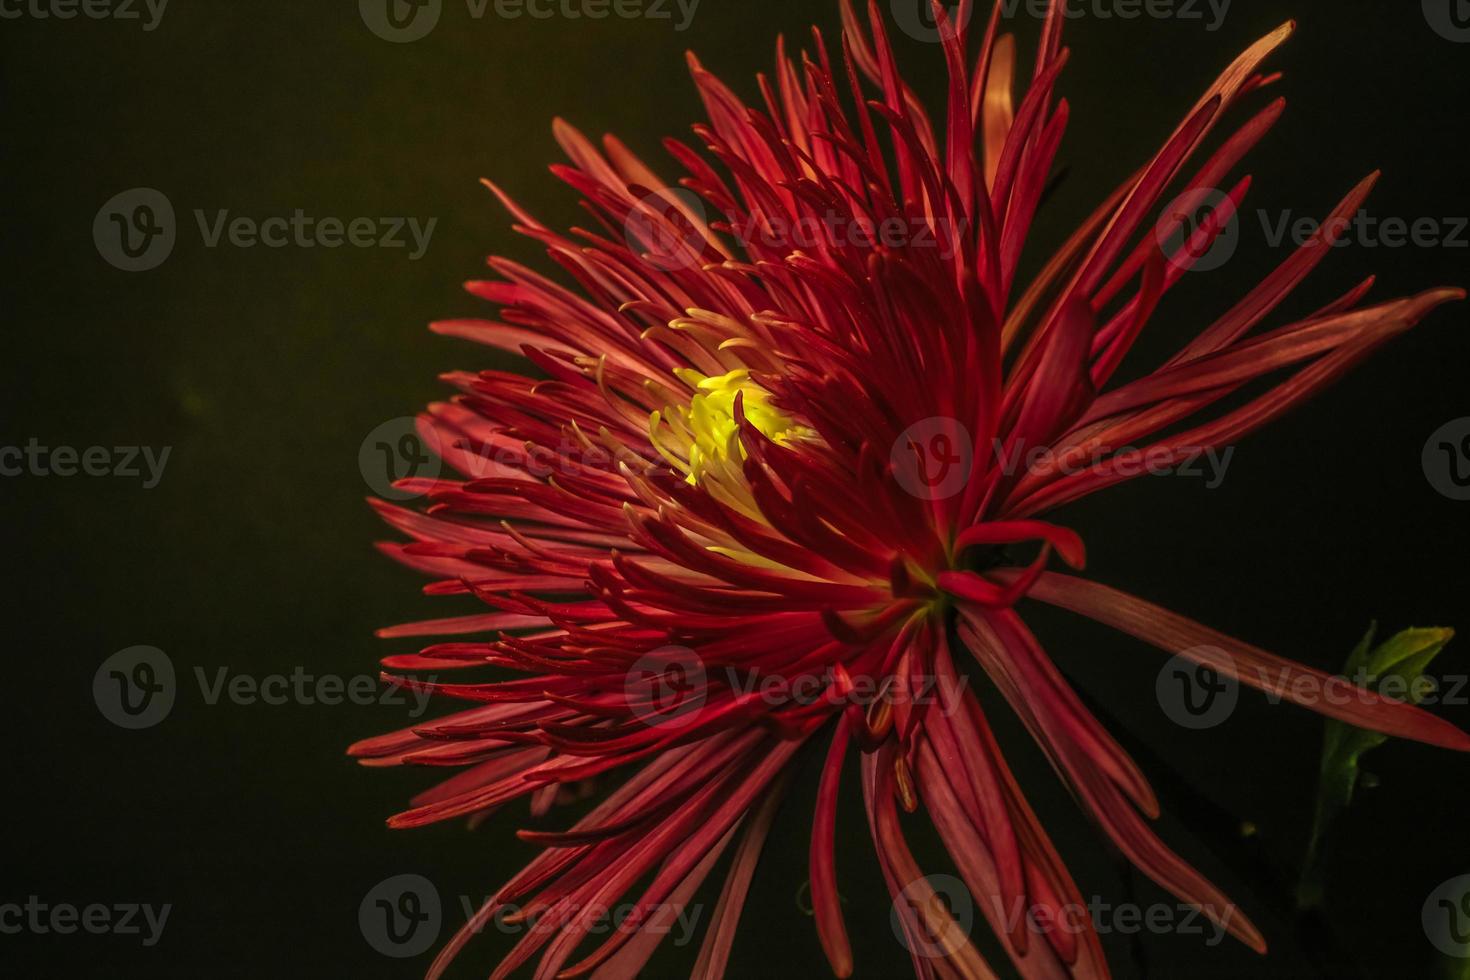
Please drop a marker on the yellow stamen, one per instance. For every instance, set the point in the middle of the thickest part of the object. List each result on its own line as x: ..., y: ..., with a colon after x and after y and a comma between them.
x: 702, y: 437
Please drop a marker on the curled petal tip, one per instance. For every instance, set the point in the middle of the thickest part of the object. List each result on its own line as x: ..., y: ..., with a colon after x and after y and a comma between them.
x: 1427, y: 301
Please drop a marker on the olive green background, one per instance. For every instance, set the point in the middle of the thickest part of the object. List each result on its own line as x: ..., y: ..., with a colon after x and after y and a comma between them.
x: 265, y: 368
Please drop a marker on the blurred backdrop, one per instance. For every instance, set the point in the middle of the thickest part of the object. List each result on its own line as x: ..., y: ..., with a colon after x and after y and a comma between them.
x: 245, y: 554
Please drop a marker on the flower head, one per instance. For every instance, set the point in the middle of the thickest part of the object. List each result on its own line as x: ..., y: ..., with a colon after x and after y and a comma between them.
x: 760, y: 495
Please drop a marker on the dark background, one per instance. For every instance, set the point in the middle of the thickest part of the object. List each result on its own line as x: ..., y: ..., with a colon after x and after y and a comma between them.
x: 264, y: 369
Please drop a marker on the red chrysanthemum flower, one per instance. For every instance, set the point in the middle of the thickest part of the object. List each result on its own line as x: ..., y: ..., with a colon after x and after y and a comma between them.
x: 759, y: 497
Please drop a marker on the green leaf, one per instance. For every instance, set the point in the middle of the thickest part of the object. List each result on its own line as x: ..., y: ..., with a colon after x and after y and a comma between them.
x: 1395, y: 669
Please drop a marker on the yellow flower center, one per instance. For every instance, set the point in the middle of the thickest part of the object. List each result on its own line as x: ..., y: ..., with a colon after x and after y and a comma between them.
x: 702, y: 439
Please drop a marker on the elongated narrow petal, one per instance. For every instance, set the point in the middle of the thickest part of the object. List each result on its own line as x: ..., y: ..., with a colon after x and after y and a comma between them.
x: 1248, y: 664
